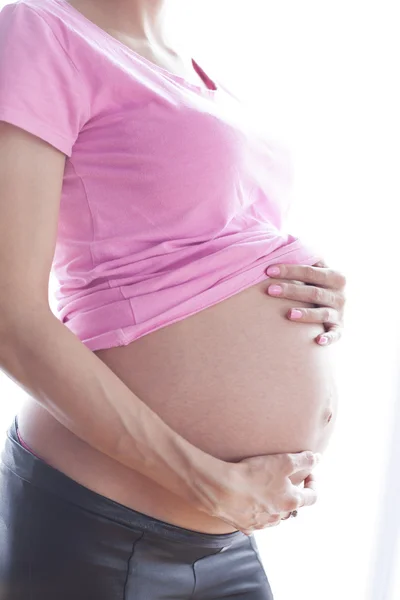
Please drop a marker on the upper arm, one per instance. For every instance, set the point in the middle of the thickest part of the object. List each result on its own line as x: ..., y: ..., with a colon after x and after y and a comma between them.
x: 44, y: 104
x: 31, y: 175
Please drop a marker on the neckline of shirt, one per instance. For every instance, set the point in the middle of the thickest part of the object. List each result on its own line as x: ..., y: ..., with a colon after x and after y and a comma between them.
x: 211, y: 88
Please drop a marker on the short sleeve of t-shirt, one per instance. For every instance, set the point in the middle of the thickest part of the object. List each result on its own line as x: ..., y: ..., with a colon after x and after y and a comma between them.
x: 41, y: 90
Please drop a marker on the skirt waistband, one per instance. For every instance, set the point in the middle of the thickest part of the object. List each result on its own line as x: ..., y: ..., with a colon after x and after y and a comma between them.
x: 39, y: 474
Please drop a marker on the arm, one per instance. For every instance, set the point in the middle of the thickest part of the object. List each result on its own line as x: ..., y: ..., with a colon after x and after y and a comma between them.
x: 46, y: 359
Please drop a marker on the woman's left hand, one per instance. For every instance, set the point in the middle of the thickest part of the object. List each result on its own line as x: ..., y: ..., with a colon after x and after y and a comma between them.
x: 324, y: 289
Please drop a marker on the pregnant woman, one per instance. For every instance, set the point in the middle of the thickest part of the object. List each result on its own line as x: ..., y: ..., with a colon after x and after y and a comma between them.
x: 177, y: 401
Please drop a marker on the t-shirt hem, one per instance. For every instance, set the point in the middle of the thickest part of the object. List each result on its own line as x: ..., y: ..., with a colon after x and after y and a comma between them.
x: 126, y: 335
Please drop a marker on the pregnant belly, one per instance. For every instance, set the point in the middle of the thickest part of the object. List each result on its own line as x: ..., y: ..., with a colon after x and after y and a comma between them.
x: 237, y: 380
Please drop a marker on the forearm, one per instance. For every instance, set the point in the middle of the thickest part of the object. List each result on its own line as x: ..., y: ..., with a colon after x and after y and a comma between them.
x: 47, y: 360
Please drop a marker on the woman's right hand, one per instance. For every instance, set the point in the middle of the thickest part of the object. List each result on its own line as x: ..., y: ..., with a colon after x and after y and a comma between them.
x: 258, y: 492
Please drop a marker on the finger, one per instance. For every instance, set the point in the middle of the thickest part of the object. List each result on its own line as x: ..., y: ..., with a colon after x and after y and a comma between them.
x: 286, y: 516
x: 310, y: 482
x: 323, y: 277
x: 307, y: 496
x: 321, y: 263
x: 273, y: 523
x: 306, y: 293
x: 326, y: 315
x: 301, y: 461
x: 333, y: 334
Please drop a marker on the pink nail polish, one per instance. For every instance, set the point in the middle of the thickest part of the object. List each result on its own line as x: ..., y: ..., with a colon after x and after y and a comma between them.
x: 273, y: 271
x: 323, y: 340
x: 295, y: 314
x: 275, y: 290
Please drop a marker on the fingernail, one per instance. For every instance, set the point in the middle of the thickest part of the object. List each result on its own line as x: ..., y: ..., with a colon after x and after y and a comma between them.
x: 275, y: 290
x: 295, y: 314
x: 273, y: 271
x: 323, y: 340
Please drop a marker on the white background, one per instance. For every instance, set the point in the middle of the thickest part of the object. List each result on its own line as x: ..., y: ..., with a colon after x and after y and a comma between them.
x: 325, y: 77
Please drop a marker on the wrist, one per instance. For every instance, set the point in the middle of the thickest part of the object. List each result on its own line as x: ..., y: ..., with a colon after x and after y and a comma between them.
x: 206, y: 477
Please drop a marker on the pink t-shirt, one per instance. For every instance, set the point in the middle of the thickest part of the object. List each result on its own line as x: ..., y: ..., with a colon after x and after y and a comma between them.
x: 172, y: 199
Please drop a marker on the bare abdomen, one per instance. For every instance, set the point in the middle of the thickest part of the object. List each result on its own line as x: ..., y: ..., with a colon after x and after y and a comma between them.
x: 237, y: 380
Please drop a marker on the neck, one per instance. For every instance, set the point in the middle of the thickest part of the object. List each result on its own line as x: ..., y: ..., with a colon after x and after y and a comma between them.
x: 144, y: 20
